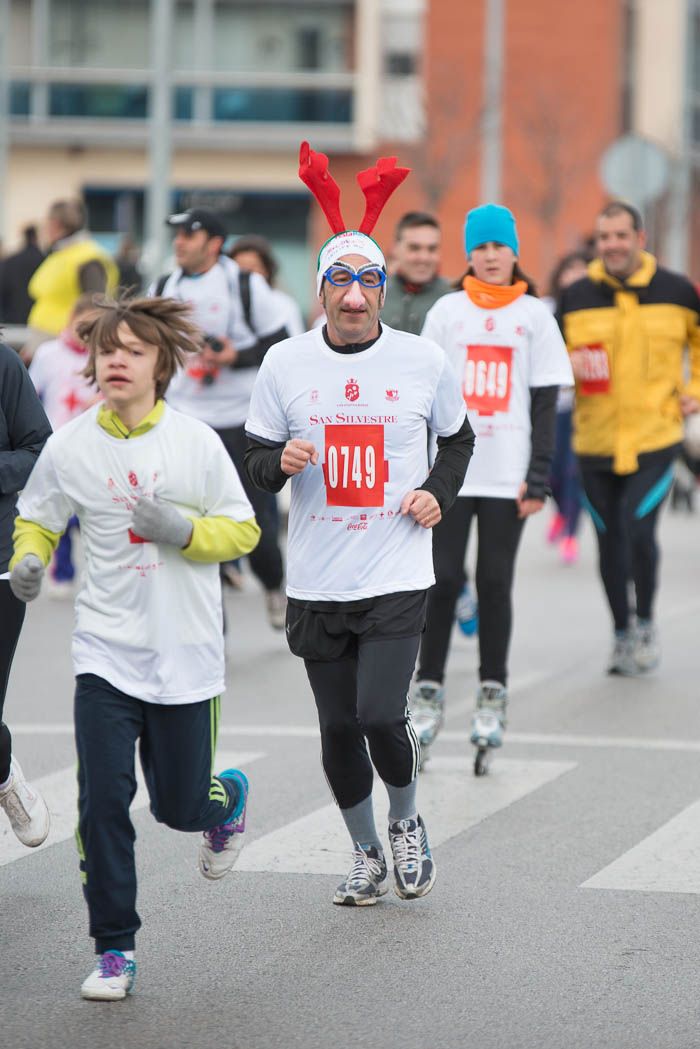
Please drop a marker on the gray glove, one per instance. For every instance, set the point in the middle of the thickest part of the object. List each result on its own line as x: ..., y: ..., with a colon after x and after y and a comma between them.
x: 26, y: 576
x: 159, y: 522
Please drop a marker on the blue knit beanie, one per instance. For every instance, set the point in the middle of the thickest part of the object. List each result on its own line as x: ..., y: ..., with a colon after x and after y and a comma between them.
x: 490, y: 222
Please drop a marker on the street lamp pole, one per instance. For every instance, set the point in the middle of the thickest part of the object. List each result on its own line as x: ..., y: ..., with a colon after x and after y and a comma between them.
x: 160, y: 136
x: 492, y: 121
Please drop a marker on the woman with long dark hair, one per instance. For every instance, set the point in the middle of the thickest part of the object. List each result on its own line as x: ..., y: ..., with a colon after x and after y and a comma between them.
x: 507, y: 348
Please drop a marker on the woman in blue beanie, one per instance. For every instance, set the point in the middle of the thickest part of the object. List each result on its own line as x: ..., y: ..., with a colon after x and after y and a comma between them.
x: 506, y: 346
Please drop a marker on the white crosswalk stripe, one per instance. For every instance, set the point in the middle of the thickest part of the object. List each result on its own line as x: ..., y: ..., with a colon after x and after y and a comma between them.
x: 60, y: 791
x: 667, y: 861
x: 451, y: 800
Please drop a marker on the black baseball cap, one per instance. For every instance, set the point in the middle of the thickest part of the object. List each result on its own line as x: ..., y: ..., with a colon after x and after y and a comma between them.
x: 199, y: 218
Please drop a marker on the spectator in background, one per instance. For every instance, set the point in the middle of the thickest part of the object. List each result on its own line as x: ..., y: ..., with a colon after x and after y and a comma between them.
x: 15, y: 273
x: 254, y: 254
x: 564, y: 478
x: 75, y: 264
x: 414, y: 285
x: 127, y: 257
x: 57, y: 371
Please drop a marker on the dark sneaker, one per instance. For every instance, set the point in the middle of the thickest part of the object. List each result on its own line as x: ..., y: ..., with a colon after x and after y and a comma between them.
x: 414, y: 866
x: 367, y: 880
x: 112, y: 980
x: 221, y: 845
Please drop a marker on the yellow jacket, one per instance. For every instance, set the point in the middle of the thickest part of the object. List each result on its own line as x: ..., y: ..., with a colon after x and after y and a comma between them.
x: 55, y: 285
x: 634, y: 336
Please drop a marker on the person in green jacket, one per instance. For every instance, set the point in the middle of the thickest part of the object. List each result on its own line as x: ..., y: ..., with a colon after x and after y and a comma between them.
x: 414, y: 285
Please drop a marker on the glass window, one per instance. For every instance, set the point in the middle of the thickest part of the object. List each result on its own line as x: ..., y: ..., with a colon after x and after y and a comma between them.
x: 110, y: 101
x: 183, y: 103
x: 20, y: 96
x: 270, y: 104
x: 281, y: 37
x: 99, y: 34
x: 400, y: 63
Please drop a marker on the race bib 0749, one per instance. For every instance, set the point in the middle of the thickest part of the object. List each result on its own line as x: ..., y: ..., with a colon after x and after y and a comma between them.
x: 354, y: 468
x: 487, y: 378
x: 591, y: 366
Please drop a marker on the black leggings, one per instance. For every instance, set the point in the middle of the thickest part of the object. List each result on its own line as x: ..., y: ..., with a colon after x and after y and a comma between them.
x: 361, y: 700
x: 625, y: 511
x: 266, y: 559
x: 500, y: 529
x: 11, y: 618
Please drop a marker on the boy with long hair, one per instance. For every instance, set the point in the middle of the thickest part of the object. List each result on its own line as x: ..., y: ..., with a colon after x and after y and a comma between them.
x: 159, y: 505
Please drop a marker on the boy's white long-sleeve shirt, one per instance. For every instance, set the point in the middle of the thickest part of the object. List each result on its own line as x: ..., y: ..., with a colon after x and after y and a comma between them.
x: 148, y: 620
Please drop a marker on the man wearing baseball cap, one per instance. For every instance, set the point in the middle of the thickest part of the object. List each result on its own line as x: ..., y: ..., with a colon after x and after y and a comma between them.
x: 240, y: 319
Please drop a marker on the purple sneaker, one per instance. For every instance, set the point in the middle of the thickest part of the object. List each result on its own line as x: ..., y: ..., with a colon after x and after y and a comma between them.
x: 222, y: 844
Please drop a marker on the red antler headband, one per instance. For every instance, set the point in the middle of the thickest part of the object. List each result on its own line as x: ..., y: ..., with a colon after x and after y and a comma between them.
x: 377, y: 185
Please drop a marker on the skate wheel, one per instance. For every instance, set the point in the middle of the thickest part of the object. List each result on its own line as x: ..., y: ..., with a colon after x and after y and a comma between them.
x: 481, y: 761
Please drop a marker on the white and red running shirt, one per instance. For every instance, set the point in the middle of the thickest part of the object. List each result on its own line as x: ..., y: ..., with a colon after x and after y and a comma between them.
x: 57, y: 373
x: 498, y: 355
x: 146, y: 618
x: 367, y: 414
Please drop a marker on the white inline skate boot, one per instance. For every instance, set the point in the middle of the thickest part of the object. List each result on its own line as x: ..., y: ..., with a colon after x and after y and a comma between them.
x: 427, y: 713
x: 488, y: 723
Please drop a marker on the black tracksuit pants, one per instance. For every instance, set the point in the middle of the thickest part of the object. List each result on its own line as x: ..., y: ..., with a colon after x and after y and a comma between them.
x: 176, y: 747
x: 11, y: 618
x: 500, y: 529
x: 625, y: 511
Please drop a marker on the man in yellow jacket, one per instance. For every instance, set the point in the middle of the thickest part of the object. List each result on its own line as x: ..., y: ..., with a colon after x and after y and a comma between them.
x: 632, y: 330
x: 76, y: 264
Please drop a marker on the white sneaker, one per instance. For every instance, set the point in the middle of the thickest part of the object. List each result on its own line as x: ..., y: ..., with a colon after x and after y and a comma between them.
x: 647, y: 651
x: 111, y: 980
x: 221, y: 845
x: 367, y: 880
x: 276, y: 604
x: 25, y: 808
x: 622, y: 658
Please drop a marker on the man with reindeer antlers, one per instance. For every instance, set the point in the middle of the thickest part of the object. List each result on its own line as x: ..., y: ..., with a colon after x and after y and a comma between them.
x: 344, y: 411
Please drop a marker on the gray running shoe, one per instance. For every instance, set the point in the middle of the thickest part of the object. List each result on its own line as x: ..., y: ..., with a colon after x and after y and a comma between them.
x: 414, y: 866
x: 647, y: 652
x: 367, y: 880
x: 622, y: 659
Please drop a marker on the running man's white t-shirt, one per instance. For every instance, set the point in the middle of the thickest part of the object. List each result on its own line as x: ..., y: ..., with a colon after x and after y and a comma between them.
x: 218, y: 310
x: 498, y: 355
x: 367, y: 415
x: 148, y: 620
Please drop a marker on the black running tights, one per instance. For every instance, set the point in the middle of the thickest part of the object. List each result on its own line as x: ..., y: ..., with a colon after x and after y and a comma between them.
x: 11, y: 618
x: 500, y: 529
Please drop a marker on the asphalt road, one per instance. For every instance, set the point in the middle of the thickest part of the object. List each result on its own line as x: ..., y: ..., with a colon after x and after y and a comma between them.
x: 565, y: 915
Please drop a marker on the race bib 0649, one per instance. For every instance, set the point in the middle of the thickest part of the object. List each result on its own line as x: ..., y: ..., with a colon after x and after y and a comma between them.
x: 354, y: 469
x: 487, y: 378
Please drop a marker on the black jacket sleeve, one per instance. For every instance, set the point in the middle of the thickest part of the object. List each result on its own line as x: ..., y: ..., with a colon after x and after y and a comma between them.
x: 543, y: 416
x: 450, y: 466
x: 262, y: 464
x: 253, y: 356
x: 24, y: 428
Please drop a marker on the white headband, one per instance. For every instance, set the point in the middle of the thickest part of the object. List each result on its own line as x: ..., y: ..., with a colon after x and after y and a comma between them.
x: 349, y: 243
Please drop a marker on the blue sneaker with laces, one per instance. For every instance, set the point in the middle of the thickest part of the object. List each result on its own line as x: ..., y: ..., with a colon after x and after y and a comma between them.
x: 111, y: 980
x: 221, y: 845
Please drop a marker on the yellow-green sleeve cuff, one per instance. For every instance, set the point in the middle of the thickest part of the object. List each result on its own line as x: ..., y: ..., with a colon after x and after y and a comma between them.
x: 216, y: 539
x: 31, y: 538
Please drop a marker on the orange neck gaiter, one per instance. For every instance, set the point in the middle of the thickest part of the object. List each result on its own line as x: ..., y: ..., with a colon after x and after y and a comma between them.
x: 492, y: 296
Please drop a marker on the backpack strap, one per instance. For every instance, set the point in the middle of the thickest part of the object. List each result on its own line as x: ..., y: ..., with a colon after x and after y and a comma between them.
x: 244, y: 290
x: 161, y: 282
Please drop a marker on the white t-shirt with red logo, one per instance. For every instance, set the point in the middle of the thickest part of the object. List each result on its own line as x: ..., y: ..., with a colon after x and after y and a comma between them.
x: 498, y: 355
x: 367, y: 414
x: 56, y: 371
x: 147, y: 619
